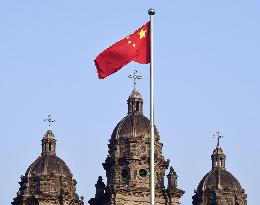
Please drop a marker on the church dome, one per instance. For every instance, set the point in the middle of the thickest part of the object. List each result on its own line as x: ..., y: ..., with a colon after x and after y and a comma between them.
x: 227, y: 181
x: 48, y: 180
x: 218, y: 177
x: 127, y: 164
x: 219, y: 186
x: 48, y: 165
x: 135, y: 122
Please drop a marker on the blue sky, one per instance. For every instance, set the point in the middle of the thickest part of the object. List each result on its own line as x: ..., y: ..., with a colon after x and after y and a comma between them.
x: 207, y: 70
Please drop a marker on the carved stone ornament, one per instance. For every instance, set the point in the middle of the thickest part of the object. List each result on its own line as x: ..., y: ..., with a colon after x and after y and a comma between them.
x: 48, y: 180
x: 127, y: 163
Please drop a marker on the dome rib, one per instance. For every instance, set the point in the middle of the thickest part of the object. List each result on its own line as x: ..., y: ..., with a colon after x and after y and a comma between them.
x: 140, y: 123
x: 117, y: 128
x: 227, y: 181
x: 47, y: 165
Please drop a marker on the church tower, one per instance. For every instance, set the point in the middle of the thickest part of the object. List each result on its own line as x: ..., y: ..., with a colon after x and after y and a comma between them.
x: 127, y: 164
x: 48, y: 180
x: 219, y: 187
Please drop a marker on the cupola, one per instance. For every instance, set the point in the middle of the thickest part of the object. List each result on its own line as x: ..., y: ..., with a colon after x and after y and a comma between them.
x: 127, y: 164
x: 48, y: 180
x: 135, y: 103
x: 49, y: 144
x: 218, y: 157
x: 219, y: 186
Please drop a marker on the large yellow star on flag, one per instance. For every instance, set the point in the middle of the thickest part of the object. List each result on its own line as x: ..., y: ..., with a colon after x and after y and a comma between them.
x: 142, y: 33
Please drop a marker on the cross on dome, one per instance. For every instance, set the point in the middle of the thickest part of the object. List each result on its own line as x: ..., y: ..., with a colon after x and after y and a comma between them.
x: 218, y: 136
x: 135, y: 77
x: 49, y: 120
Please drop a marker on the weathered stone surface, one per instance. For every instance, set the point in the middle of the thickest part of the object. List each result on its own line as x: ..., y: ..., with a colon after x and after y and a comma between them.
x: 127, y: 164
x: 219, y: 187
x: 48, y: 180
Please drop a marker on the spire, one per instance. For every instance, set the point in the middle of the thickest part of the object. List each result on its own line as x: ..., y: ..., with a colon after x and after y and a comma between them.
x: 100, y: 187
x: 172, y: 179
x: 135, y: 100
x: 218, y: 157
x: 49, y: 144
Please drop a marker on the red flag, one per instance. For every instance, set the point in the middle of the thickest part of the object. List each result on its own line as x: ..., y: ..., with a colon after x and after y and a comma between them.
x: 135, y: 47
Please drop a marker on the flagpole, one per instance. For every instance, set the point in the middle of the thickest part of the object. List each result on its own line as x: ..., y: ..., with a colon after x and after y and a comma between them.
x: 151, y: 12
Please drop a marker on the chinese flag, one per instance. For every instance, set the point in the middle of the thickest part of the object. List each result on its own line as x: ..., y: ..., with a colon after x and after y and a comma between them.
x: 135, y: 47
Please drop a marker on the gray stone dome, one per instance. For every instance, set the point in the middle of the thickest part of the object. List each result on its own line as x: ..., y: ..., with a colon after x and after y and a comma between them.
x: 218, y: 177
x: 48, y: 165
x: 48, y: 180
x: 136, y: 123
x: 226, y: 181
x: 219, y: 186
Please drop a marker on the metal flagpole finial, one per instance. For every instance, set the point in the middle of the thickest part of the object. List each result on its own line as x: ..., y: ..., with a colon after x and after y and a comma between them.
x: 218, y: 136
x: 49, y: 120
x: 151, y: 11
x: 135, y: 77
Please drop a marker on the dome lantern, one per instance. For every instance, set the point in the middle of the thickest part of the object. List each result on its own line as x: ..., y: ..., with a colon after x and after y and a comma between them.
x: 49, y: 144
x: 135, y: 100
x: 218, y: 157
x: 135, y: 103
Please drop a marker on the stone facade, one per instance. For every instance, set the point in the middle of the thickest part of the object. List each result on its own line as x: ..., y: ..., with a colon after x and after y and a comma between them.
x: 219, y: 187
x: 127, y: 164
x: 48, y: 180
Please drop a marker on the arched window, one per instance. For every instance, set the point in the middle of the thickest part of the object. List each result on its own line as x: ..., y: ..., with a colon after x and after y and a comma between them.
x: 137, y: 106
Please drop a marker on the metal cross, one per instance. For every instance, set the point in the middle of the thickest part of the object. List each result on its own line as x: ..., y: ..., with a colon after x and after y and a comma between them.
x: 49, y: 120
x: 135, y: 77
x: 218, y: 136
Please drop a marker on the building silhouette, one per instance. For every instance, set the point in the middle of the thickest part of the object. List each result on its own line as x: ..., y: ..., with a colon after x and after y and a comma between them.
x: 48, y: 180
x: 127, y: 163
x: 219, y: 186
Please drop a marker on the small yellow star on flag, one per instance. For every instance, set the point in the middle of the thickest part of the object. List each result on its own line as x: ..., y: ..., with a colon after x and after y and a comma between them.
x: 130, y: 42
